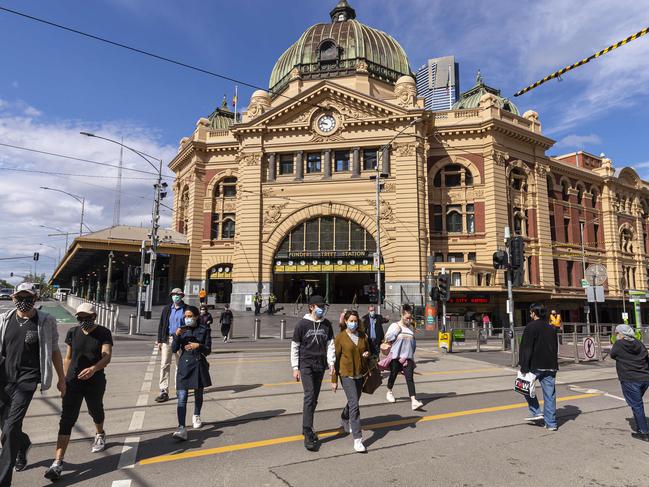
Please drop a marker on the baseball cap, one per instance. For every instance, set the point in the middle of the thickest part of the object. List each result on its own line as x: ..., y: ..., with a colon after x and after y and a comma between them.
x: 26, y: 287
x: 177, y: 290
x: 317, y: 300
x: 86, y: 308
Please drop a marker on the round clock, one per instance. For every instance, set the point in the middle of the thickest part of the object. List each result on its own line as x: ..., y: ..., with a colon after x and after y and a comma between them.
x: 326, y: 123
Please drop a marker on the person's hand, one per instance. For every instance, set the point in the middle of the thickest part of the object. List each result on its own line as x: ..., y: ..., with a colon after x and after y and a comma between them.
x: 158, y: 345
x: 61, y: 386
x: 179, y: 331
x: 334, y: 386
x: 366, y: 355
x: 296, y: 375
x: 86, y: 374
x: 191, y: 346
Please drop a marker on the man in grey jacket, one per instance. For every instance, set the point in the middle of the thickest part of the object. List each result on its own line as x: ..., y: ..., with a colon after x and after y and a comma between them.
x: 29, y: 347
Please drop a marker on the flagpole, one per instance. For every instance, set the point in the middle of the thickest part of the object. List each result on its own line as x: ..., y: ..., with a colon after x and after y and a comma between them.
x: 236, y: 100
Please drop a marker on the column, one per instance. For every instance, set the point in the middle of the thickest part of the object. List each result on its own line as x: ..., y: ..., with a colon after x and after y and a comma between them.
x: 327, y: 163
x: 356, y: 162
x: 385, y: 157
x: 299, y: 166
x: 272, y: 167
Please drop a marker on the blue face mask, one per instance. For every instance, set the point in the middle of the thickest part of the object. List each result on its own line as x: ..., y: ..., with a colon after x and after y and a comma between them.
x: 352, y: 325
x: 319, y: 312
x: 372, y: 314
x: 176, y: 299
x: 190, y: 322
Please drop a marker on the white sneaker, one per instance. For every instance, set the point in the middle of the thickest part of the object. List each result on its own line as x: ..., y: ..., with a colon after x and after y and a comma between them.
x: 532, y: 419
x: 180, y: 434
x: 416, y: 404
x: 196, y: 422
x: 100, y: 443
x: 358, y: 446
x: 390, y: 397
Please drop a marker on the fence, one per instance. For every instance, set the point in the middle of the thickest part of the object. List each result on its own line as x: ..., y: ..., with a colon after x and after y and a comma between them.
x: 107, y: 315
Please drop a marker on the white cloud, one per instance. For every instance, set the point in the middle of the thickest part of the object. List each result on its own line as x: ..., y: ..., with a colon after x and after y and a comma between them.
x: 579, y: 141
x: 24, y: 206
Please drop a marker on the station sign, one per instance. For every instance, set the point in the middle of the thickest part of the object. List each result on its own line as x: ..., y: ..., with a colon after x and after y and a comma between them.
x: 481, y: 299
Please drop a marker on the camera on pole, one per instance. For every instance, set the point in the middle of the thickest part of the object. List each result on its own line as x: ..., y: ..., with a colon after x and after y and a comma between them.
x: 444, y: 287
x: 501, y: 259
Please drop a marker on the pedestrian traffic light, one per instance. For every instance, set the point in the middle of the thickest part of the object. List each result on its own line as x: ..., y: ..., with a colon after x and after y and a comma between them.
x: 36, y: 256
x: 11, y: 274
x: 444, y: 284
x: 517, y: 252
x: 146, y: 279
x: 501, y: 259
x: 434, y: 294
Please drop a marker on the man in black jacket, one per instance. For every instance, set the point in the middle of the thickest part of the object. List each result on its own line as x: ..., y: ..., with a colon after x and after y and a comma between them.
x: 172, y: 318
x: 539, y: 355
x: 373, y: 327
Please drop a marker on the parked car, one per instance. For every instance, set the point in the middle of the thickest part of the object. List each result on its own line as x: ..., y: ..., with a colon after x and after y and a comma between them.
x: 5, y: 293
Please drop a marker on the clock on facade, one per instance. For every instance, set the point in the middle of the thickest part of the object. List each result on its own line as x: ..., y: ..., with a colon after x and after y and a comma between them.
x: 326, y: 123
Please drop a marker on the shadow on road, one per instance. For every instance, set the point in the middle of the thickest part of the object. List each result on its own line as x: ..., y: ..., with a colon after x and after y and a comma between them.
x: 567, y: 413
x: 381, y: 426
x: 234, y: 388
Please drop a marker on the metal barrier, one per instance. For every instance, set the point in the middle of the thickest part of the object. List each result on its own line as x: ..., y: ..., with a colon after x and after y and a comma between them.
x: 583, y: 342
x: 257, y: 330
x: 282, y: 330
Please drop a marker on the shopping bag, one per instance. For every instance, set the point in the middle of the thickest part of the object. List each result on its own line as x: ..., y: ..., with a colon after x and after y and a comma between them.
x: 372, y: 380
x: 525, y: 384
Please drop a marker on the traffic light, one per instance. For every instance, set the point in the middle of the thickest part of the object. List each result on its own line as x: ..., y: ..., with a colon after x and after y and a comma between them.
x: 11, y: 274
x: 444, y: 284
x: 517, y: 252
x: 501, y: 259
x: 146, y: 279
x: 434, y: 294
x: 36, y: 255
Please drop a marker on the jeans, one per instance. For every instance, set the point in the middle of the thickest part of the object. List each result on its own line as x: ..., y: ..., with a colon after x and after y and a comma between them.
x: 408, y: 371
x: 311, y: 379
x: 182, y: 404
x: 92, y: 391
x: 14, y: 402
x: 353, y: 390
x: 547, y: 381
x: 633, y: 393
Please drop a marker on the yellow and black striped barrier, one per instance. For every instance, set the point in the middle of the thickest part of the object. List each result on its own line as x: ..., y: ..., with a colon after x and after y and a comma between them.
x: 557, y: 74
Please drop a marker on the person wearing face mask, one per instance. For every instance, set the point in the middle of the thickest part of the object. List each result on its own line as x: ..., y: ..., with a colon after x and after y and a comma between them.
x: 401, y: 357
x: 90, y: 349
x: 632, y: 364
x: 312, y: 352
x: 352, y: 355
x: 29, y: 349
x: 171, y: 318
x: 205, y: 317
x: 372, y: 324
x: 193, y: 341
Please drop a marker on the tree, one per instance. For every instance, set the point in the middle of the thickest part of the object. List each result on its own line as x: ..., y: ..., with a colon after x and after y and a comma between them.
x: 4, y: 283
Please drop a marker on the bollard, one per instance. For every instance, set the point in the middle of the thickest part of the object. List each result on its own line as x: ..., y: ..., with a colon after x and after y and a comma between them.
x: 257, y: 329
x: 282, y: 329
x: 100, y: 315
x: 574, y: 338
x: 116, y: 318
x: 131, y: 324
x: 479, y: 334
x: 111, y: 321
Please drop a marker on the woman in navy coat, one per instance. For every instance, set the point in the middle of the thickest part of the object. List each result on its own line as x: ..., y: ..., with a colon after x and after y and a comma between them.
x: 194, y: 342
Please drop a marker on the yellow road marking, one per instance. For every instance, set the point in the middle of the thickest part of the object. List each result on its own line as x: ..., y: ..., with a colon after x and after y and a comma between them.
x: 326, y: 434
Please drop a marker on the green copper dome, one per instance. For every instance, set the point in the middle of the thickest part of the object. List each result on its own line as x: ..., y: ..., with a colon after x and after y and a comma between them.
x: 340, y: 48
x: 471, y: 99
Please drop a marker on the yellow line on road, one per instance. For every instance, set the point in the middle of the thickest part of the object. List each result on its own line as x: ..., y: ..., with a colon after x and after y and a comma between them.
x: 326, y: 434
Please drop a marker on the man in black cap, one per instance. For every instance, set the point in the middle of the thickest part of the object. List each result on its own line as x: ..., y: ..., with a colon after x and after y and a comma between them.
x: 312, y: 352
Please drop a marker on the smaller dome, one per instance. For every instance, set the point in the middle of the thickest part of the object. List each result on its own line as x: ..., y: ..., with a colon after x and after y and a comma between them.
x: 260, y: 94
x: 406, y: 80
x: 471, y: 98
x: 222, y: 118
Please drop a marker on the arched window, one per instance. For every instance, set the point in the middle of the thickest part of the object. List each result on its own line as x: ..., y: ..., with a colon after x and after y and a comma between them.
x: 453, y: 176
x: 223, y: 194
x: 228, y: 228
x: 565, y: 194
x: 595, y: 197
x: 550, y: 183
x: 518, y: 179
x: 453, y: 219
x: 328, y: 52
x: 626, y: 240
x: 580, y: 194
x: 183, y: 214
x: 226, y: 188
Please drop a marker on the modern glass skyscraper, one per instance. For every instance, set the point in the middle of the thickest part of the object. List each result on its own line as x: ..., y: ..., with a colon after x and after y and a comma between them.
x: 438, y: 82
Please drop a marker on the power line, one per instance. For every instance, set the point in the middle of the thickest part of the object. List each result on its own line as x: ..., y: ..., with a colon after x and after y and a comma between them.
x: 72, y: 158
x: 67, y: 174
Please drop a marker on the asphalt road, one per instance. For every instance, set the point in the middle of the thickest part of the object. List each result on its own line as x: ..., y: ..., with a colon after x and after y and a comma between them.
x: 469, y: 433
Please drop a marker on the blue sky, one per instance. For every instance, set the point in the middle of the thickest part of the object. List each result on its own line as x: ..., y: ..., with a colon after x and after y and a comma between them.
x: 53, y: 83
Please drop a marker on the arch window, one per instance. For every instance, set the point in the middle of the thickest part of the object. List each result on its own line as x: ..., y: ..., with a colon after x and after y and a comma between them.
x: 228, y: 227
x: 518, y: 179
x: 183, y: 217
x: 454, y: 219
x: 626, y: 241
x: 453, y: 176
x: 565, y: 194
x: 226, y: 188
x: 580, y: 194
x: 595, y: 197
x: 328, y: 52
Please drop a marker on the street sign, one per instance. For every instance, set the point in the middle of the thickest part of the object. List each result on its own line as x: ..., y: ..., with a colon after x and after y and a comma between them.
x: 596, y: 274
x: 376, y: 261
x: 589, y: 348
x: 625, y: 316
x: 584, y: 283
x: 637, y: 296
x: 595, y: 294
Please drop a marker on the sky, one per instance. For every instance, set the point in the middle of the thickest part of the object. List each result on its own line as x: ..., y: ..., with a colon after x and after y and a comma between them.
x: 54, y: 84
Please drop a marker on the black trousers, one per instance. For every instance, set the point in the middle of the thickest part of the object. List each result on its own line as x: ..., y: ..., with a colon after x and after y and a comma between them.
x: 225, y: 329
x: 311, y: 383
x: 77, y: 390
x: 14, y: 402
x: 408, y: 371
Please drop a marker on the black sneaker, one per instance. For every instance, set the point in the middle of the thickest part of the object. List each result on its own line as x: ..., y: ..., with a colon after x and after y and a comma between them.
x: 641, y: 436
x: 21, y: 459
x: 163, y: 397
x: 310, y: 440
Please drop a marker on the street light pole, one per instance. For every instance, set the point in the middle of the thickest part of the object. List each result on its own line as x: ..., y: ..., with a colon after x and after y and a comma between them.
x: 109, y: 277
x: 80, y: 199
x: 60, y: 231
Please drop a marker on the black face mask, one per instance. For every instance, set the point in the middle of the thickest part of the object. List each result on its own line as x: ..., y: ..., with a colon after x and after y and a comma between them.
x: 86, y: 324
x: 24, y: 305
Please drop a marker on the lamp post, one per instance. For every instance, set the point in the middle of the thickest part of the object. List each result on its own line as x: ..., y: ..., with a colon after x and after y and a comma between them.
x: 52, y: 247
x: 160, y: 192
x: 61, y: 232
x: 378, y: 177
x: 80, y: 199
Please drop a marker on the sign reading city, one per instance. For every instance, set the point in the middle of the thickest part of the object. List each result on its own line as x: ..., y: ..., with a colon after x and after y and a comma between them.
x: 469, y: 299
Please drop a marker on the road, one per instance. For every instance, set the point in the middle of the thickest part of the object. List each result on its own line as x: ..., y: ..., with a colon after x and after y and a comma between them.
x: 469, y: 433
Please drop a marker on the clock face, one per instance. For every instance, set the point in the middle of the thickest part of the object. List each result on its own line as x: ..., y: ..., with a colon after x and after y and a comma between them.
x: 326, y: 123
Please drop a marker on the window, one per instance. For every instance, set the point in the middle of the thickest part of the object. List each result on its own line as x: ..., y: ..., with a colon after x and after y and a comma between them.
x: 357, y: 237
x: 453, y: 219
x: 487, y: 279
x: 229, y: 187
x: 557, y: 275
x: 580, y: 195
x: 228, y: 227
x: 453, y: 175
x: 455, y: 257
x: 566, y: 229
x: 626, y: 241
x: 550, y: 183
x: 286, y: 163
x: 472, y: 256
x: 439, y: 257
x: 565, y: 195
x: 312, y: 234
x: 328, y: 52
x: 437, y: 181
x: 437, y: 218
x: 571, y: 267
x: 297, y: 239
x: 518, y: 179
x: 594, y: 198
x: 456, y: 279
x: 314, y: 162
x: 370, y: 159
x: 326, y: 233
x: 342, y: 161
x: 468, y: 178
x: 479, y: 279
x: 595, y: 241
x: 214, y: 231
x: 553, y: 228
x: 470, y: 218
x: 342, y: 234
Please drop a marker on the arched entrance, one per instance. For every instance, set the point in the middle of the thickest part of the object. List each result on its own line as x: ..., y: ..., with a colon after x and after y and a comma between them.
x: 329, y: 255
x: 219, y: 280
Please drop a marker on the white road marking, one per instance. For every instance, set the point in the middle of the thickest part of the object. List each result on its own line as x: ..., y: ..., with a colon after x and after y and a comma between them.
x: 121, y: 483
x: 146, y: 386
x: 148, y: 376
x: 136, y: 421
x: 615, y: 397
x: 129, y: 452
x: 142, y: 400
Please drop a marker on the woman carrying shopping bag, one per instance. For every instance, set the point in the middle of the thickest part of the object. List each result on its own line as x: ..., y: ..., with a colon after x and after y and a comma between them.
x: 352, y: 355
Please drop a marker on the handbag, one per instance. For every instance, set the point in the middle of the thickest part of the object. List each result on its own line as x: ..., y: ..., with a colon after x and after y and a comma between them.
x: 387, y: 346
x: 372, y: 380
x: 525, y: 384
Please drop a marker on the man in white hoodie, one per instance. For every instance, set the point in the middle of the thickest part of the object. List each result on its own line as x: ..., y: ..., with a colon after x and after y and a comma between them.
x: 312, y: 352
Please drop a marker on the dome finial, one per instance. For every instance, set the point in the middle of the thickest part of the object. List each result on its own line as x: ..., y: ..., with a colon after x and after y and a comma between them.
x: 478, y: 78
x: 342, y: 12
x: 224, y: 103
